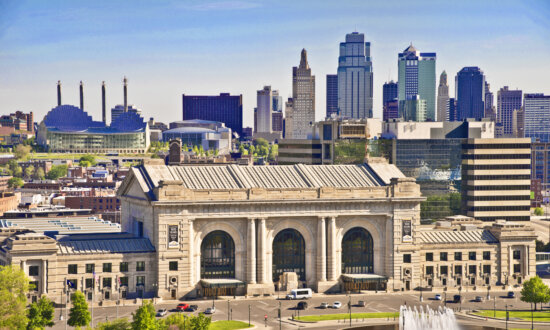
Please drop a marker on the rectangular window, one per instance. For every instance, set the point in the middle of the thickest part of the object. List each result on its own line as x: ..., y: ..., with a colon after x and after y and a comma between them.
x: 472, y: 269
x: 34, y: 270
x: 486, y: 269
x: 90, y: 268
x: 140, y: 266
x: 444, y: 270
x: 123, y: 281
x: 123, y: 266
x: 517, y: 268
x: 173, y: 265
x: 90, y: 283
x: 429, y: 270
x: 107, y: 267
x: 443, y: 256
x: 486, y: 255
x: 458, y: 270
x: 107, y: 281
x: 471, y: 255
x: 140, y: 280
x: 407, y: 258
x: 517, y: 254
x: 429, y: 256
x: 458, y: 256
x: 73, y: 269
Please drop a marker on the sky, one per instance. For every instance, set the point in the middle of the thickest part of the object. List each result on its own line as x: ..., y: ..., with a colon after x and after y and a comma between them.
x: 168, y: 48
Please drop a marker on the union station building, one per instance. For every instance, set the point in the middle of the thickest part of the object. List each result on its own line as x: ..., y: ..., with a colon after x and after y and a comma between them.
x: 227, y: 230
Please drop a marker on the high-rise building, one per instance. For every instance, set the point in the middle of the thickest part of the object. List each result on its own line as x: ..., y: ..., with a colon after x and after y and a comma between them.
x: 451, y: 114
x: 355, y: 78
x: 414, y: 109
x: 224, y: 108
x: 390, y: 110
x: 389, y: 92
x: 332, y: 94
x: 264, y: 110
x: 119, y: 110
x: 536, y: 110
x: 518, y: 121
x: 496, y: 179
x: 303, y: 95
x: 277, y: 101
x: 289, y: 117
x: 507, y: 101
x: 277, y: 121
x: 417, y: 77
x: 442, y: 98
x: 490, y: 111
x: 470, y: 93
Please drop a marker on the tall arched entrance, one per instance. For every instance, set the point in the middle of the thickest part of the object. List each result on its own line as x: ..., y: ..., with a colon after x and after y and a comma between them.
x: 289, y: 254
x: 218, y: 261
x: 358, y: 258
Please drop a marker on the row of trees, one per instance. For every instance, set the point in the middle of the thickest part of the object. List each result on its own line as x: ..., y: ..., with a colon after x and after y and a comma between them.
x: 260, y: 148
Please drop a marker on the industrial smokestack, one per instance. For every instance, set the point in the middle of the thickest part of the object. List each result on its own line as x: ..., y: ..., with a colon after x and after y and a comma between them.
x: 81, y: 96
x: 58, y: 92
x: 125, y: 94
x: 103, y: 103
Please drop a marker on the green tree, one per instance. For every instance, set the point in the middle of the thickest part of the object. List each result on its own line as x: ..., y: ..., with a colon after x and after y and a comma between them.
x: 201, y: 150
x: 538, y: 211
x: 79, y: 315
x: 118, y: 324
x: 14, y: 168
x: 241, y: 149
x: 15, y: 182
x: 29, y: 171
x: 39, y: 174
x: 21, y: 152
x: 14, y: 285
x: 41, y: 314
x: 261, y: 142
x: 178, y: 320
x: 273, y: 152
x: 56, y: 172
x: 87, y: 160
x: 535, y: 291
x: 251, y: 150
x: 200, y: 322
x: 144, y: 317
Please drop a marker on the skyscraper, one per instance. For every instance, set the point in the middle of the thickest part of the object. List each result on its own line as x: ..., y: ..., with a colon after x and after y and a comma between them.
x: 470, y: 93
x: 507, y: 101
x: 536, y: 110
x: 389, y: 91
x: 451, y: 114
x: 355, y: 77
x: 442, y: 98
x: 417, y: 77
x: 390, y: 110
x: 224, y: 108
x: 489, y: 103
x: 390, y: 104
x: 264, y: 110
x: 332, y: 94
x: 303, y: 95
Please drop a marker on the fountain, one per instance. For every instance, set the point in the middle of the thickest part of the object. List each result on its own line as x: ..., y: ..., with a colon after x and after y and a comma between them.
x: 427, y: 319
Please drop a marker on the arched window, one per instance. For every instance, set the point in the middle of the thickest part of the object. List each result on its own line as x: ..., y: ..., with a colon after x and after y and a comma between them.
x: 357, y: 252
x: 218, y: 255
x: 289, y: 254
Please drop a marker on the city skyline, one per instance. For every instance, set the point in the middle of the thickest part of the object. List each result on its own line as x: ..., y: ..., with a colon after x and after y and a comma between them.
x: 61, y: 41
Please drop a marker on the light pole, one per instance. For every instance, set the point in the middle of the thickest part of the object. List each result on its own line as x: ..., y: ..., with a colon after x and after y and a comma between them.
x: 228, y: 310
x: 445, y: 296
x: 532, y: 316
x: 495, y: 306
x: 249, y: 315
x: 460, y: 297
x: 280, y: 316
x: 349, y: 308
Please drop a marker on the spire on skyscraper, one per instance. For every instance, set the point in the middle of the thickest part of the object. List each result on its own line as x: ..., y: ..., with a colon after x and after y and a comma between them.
x: 303, y: 60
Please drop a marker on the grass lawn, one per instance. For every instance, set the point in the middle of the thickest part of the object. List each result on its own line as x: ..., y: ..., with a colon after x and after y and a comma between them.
x: 229, y: 325
x: 327, y: 317
x: 524, y: 315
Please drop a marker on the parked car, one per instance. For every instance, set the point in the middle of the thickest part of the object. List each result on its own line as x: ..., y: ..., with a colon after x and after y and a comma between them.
x: 181, y: 307
x: 323, y: 305
x: 210, y: 310
x: 511, y: 294
x: 337, y: 304
x: 301, y: 305
x: 362, y: 303
x: 456, y: 298
x: 192, y: 308
x: 161, y: 312
x: 437, y: 297
x: 299, y: 294
x: 478, y: 299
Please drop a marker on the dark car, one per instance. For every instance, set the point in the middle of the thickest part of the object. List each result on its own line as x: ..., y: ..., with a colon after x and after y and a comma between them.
x: 301, y: 305
x: 511, y: 294
x: 456, y: 298
x: 192, y: 308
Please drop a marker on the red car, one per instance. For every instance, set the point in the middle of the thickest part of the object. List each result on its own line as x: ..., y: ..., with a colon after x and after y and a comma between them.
x: 181, y: 307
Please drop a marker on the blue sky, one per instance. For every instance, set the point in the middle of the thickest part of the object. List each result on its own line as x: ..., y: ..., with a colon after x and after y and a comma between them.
x: 167, y: 48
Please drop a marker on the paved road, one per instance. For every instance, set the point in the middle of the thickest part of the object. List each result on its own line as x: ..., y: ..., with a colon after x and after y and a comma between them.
x: 259, y: 307
x: 542, y: 227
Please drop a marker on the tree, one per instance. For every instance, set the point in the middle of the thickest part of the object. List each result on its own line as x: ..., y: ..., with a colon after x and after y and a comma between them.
x: 241, y: 149
x: 21, y: 152
x: 144, y: 317
x: 14, y: 168
x: 261, y: 142
x: 41, y: 314
x: 200, y: 322
x: 538, y: 211
x: 79, y: 316
x: 15, y: 182
x: 535, y: 291
x: 56, y: 172
x: 118, y: 324
x: 273, y: 152
x: 251, y: 150
x: 87, y: 160
x: 29, y: 171
x: 14, y: 285
x: 180, y: 321
x: 39, y: 174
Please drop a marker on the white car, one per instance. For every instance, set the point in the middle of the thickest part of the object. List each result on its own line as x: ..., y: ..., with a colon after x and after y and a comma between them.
x: 210, y: 310
x: 437, y: 297
x: 337, y: 305
x: 162, y: 312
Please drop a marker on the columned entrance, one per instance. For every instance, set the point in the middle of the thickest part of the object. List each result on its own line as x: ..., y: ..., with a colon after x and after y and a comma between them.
x: 289, y: 254
x: 217, y: 256
x: 357, y: 252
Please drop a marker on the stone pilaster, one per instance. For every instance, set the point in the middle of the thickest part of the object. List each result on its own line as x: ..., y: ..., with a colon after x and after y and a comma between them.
x: 251, y: 248
x: 44, y: 276
x: 191, y: 259
x: 331, y: 255
x: 262, y: 265
x: 321, y: 251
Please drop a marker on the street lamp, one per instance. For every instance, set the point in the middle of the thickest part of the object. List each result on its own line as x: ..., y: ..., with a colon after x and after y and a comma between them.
x: 248, y: 315
x: 349, y: 308
x: 280, y: 316
x: 460, y: 294
x: 228, y: 310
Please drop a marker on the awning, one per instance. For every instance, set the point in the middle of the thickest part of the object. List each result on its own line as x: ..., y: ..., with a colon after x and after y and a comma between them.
x: 221, y: 283
x: 361, y: 278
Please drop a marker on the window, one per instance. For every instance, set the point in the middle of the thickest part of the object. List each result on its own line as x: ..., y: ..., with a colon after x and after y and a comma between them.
x: 486, y: 269
x: 89, y: 283
x: 107, y: 281
x: 173, y: 265
x: 429, y: 270
x: 123, y: 281
x: 458, y: 256
x: 123, y: 266
x: 34, y: 270
x: 471, y: 256
x: 486, y: 255
x: 443, y: 256
x: 73, y: 269
x: 429, y: 256
x: 140, y: 266
x: 458, y: 270
x: 90, y: 268
x: 517, y: 254
x: 472, y: 269
x: 140, y: 280
x: 444, y: 270
x: 407, y: 258
x: 107, y: 267
x: 517, y: 268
